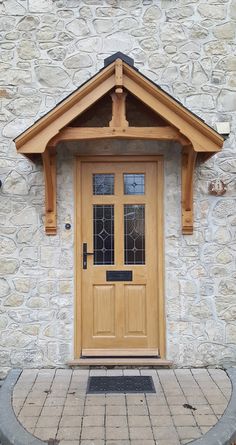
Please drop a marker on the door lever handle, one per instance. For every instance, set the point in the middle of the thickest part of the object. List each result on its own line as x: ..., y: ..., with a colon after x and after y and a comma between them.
x: 85, y: 254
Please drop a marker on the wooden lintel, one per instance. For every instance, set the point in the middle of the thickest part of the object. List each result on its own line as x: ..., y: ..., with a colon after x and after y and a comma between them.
x: 153, y: 133
x: 188, y: 163
x: 118, y: 110
x: 49, y: 166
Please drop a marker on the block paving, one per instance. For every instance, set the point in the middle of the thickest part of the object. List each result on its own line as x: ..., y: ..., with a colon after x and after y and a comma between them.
x: 53, y: 404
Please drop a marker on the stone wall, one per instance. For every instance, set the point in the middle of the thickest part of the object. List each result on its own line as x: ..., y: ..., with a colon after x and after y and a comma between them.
x: 48, y: 48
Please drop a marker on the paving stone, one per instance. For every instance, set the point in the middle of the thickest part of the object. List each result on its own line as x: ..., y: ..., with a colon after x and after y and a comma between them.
x: 94, y: 410
x: 74, y: 401
x: 68, y: 433
x: 188, y: 432
x: 70, y: 442
x: 51, y: 411
x: 117, y: 433
x: 96, y: 400
x: 118, y: 399
x: 174, y: 441
x: 137, y: 410
x: 117, y: 421
x: 45, y: 433
x: 73, y: 410
x: 93, y: 421
x: 143, y: 442
x: 167, y: 433
x: 205, y: 429
x: 70, y: 421
x: 140, y: 433
x: 205, y: 419
x: 161, y: 410
x: 139, y: 421
x: 135, y: 400
x: 196, y: 400
x: 184, y: 420
x: 117, y: 442
x: 88, y: 442
x: 179, y: 410
x: 30, y: 411
x: 115, y: 410
x: 176, y: 400
x: 48, y: 422
x: 161, y: 420
x: 58, y: 401
x: 156, y: 400
x: 93, y: 433
x: 218, y: 409
x: 28, y: 422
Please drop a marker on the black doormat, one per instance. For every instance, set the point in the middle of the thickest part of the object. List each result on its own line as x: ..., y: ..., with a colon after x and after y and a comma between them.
x: 124, y: 384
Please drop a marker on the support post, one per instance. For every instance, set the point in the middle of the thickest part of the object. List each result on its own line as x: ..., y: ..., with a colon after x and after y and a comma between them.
x: 49, y: 166
x: 188, y: 163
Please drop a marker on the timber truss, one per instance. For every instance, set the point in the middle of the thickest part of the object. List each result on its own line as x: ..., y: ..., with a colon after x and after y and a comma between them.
x: 118, y: 79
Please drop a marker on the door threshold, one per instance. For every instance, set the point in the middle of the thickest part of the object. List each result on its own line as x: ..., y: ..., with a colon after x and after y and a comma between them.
x: 145, y: 361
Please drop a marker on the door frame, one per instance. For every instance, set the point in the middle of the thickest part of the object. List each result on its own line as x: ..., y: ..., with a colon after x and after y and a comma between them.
x: 78, y: 244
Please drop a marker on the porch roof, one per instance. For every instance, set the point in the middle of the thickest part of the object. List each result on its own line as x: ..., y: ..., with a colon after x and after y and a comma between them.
x: 118, y: 78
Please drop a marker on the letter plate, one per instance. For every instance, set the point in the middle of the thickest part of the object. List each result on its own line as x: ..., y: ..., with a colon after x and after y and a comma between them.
x: 119, y: 275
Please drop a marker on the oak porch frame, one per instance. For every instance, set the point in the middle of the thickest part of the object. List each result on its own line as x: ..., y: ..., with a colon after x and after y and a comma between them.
x: 197, y: 139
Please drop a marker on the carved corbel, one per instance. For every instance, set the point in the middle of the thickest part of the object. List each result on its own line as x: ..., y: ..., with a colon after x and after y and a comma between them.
x: 49, y: 166
x: 188, y: 163
x: 118, y: 110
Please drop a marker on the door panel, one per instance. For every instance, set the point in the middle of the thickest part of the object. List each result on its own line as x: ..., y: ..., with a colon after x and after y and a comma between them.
x: 119, y: 225
x: 103, y: 310
x: 135, y: 310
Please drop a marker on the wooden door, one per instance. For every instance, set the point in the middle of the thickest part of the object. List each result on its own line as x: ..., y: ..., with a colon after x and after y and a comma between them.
x: 119, y: 214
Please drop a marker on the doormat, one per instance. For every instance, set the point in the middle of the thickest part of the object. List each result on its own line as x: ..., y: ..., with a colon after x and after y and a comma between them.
x: 123, y: 384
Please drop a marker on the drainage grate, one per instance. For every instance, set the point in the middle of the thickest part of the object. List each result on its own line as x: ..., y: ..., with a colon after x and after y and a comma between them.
x: 124, y: 384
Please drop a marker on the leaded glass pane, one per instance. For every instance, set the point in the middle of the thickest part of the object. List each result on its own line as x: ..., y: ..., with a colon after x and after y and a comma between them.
x: 134, y: 184
x: 134, y: 224
x: 103, y: 234
x: 103, y: 184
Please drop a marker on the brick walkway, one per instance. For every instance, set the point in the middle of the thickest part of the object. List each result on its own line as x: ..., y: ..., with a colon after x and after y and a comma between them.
x: 53, y: 404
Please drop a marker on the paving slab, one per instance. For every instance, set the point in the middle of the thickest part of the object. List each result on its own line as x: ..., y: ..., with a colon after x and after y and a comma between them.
x: 188, y: 405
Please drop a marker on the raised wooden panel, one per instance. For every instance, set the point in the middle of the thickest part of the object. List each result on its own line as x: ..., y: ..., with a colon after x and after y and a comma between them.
x: 135, y: 310
x: 103, y: 310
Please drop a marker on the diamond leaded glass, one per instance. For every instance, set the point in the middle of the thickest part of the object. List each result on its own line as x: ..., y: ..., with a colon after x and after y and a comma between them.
x: 103, y: 234
x: 134, y: 225
x: 134, y: 184
x: 103, y: 184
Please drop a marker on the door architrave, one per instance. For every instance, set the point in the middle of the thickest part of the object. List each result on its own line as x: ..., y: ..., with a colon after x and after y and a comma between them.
x: 78, y: 244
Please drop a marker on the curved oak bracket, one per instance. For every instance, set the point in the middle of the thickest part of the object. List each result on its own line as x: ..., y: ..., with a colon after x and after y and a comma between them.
x: 189, y: 157
x: 49, y: 167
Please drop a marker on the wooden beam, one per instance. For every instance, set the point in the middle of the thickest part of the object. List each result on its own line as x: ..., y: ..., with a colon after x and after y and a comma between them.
x: 119, y: 75
x: 152, y: 133
x: 188, y: 163
x: 49, y: 166
x: 118, y: 110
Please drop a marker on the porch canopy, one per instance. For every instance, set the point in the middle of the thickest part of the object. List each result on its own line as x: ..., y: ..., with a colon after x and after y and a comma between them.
x: 164, y: 119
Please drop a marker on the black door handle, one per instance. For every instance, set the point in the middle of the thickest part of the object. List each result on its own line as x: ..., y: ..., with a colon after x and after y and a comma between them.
x: 85, y: 254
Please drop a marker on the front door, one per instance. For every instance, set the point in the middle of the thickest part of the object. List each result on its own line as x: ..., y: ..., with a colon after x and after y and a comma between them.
x: 120, y: 213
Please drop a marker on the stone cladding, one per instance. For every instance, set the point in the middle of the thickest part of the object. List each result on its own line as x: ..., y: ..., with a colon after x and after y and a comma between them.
x: 47, y: 49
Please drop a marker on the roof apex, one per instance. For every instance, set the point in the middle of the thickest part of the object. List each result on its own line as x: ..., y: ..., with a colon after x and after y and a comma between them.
x: 119, y: 55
